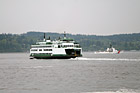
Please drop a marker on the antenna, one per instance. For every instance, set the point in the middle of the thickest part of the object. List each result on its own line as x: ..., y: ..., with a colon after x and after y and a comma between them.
x: 64, y: 35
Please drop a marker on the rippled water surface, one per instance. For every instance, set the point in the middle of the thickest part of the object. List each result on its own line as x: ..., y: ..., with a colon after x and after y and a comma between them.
x: 107, y: 73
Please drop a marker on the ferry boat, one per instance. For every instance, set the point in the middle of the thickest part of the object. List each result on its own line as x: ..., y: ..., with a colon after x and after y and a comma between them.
x: 110, y: 50
x: 56, y: 49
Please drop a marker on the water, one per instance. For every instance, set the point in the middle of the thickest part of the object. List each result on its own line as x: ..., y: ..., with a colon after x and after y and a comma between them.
x: 92, y: 73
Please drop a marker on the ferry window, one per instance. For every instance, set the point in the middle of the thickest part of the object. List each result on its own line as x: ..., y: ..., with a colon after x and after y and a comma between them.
x: 34, y: 50
x: 48, y: 53
x: 40, y: 46
x: 40, y: 49
x: 48, y: 46
x: 58, y: 46
x: 45, y: 49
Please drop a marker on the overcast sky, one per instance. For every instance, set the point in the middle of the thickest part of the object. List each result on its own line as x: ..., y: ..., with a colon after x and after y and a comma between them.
x: 96, y: 17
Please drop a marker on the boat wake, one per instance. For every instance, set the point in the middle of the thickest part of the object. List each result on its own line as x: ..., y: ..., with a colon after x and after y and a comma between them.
x: 105, y: 59
x: 118, y: 91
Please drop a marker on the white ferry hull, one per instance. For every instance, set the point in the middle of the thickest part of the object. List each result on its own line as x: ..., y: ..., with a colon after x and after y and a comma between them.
x: 57, y: 53
x: 54, y: 56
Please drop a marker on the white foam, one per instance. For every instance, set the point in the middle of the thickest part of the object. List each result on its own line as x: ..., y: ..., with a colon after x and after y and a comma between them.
x: 37, y: 67
x: 41, y: 66
x: 118, y: 91
x: 105, y: 59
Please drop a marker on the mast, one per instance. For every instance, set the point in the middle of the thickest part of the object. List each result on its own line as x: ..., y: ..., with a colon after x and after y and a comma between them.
x: 64, y: 35
x: 44, y: 37
x: 49, y: 38
x: 110, y: 45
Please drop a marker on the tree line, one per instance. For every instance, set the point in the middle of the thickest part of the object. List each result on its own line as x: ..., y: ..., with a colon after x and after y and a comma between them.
x: 22, y: 42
